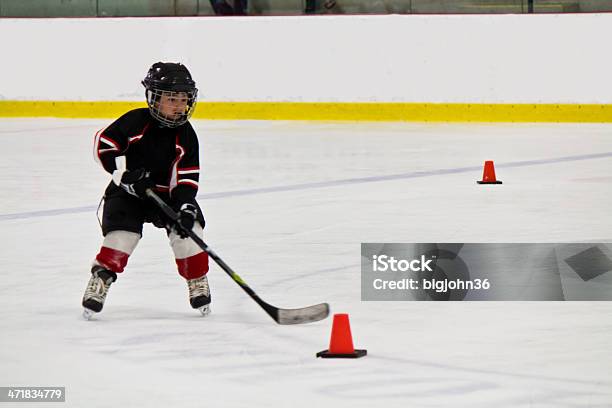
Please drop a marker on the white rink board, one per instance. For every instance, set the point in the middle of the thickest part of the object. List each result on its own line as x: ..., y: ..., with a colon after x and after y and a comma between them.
x: 393, y: 58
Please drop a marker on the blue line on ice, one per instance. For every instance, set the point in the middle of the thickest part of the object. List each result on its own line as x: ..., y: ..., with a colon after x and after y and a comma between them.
x: 322, y: 184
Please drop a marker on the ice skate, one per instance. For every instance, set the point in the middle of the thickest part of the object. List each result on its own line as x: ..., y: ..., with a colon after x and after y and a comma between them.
x: 199, y: 294
x: 96, y: 291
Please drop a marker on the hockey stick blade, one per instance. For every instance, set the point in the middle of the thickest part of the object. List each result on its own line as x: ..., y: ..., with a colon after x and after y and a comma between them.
x: 307, y: 314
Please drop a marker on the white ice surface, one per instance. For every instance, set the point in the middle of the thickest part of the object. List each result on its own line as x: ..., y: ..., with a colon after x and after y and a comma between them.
x: 298, y: 245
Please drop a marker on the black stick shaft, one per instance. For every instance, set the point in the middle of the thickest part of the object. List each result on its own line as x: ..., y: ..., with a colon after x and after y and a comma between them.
x: 272, y: 311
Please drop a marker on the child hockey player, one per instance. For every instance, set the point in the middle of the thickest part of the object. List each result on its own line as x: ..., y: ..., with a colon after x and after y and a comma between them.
x: 157, y: 149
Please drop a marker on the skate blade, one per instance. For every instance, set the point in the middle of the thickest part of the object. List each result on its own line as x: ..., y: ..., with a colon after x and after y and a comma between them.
x: 205, y: 310
x: 88, y: 314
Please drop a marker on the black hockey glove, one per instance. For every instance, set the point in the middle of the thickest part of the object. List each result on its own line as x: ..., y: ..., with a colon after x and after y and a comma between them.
x: 136, y: 182
x: 187, y: 216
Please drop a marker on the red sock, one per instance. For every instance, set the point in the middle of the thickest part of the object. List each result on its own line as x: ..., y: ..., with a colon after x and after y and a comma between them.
x: 194, y: 266
x: 112, y: 259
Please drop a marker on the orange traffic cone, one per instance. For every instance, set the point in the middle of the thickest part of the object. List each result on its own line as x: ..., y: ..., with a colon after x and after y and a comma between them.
x: 488, y: 176
x: 341, y: 342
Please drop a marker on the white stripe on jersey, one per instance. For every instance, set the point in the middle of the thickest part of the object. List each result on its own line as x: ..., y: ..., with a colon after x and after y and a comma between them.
x: 188, y: 171
x: 109, y: 142
x: 135, y: 138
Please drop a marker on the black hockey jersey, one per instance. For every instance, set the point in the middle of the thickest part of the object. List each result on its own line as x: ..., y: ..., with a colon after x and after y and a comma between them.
x: 171, y: 155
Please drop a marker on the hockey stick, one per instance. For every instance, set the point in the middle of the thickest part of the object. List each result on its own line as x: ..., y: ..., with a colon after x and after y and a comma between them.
x: 281, y: 316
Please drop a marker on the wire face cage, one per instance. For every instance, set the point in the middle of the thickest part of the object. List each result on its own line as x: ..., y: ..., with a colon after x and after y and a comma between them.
x: 171, y: 108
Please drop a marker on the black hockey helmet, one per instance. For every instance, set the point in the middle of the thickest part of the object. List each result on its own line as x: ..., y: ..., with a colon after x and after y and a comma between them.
x: 172, y: 80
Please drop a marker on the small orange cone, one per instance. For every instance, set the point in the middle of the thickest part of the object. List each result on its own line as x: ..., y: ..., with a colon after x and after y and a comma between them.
x: 341, y: 342
x: 488, y: 176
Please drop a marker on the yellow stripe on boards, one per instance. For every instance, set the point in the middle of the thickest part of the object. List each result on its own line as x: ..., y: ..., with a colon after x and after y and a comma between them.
x: 66, y: 109
x: 329, y: 111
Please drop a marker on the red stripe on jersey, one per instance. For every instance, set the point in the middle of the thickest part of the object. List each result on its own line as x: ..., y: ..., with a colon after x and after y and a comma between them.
x: 180, y: 152
x: 188, y: 182
x: 188, y: 168
x: 97, y: 148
